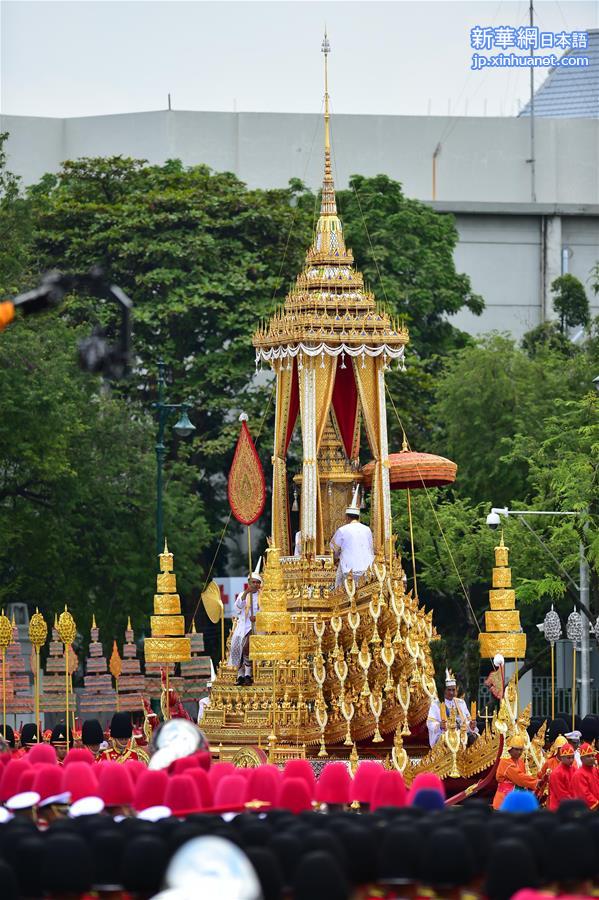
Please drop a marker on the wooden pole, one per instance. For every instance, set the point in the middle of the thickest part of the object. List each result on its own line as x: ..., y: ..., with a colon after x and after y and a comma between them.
x: 66, y: 692
x: 573, y: 684
x: 116, y: 681
x: 412, y: 542
x: 36, y: 687
x: 552, y: 680
x: 167, y: 712
x: 222, y: 636
x: 4, y: 691
x: 250, y: 548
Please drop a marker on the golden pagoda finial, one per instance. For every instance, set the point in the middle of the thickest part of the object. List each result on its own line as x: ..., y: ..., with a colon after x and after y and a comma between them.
x: 193, y: 626
x: 129, y: 623
x: 94, y: 620
x: 328, y: 205
x: 404, y: 444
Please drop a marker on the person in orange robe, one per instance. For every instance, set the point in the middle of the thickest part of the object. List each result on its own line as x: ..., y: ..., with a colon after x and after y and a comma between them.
x: 560, y: 777
x: 551, y: 762
x: 585, y: 781
x: 511, y: 772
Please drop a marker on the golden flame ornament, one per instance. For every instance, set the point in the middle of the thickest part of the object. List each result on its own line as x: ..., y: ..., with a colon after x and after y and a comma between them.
x: 116, y: 667
x: 38, y: 634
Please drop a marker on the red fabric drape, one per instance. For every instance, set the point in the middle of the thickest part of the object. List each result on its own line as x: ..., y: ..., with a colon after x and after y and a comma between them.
x: 345, y: 404
x: 293, y: 406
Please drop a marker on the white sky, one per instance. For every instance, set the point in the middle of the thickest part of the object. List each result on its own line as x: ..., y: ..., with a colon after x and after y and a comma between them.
x: 88, y: 57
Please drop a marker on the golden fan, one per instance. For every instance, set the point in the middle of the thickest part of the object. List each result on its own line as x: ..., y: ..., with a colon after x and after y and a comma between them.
x: 215, y: 611
x: 213, y: 603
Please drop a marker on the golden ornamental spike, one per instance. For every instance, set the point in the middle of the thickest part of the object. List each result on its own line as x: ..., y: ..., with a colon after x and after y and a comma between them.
x: 129, y: 623
x: 67, y: 631
x: 116, y: 668
x: 38, y: 634
x: 94, y: 620
x: 5, y: 640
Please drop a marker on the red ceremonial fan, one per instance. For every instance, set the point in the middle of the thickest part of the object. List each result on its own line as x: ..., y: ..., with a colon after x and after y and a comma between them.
x: 246, y: 487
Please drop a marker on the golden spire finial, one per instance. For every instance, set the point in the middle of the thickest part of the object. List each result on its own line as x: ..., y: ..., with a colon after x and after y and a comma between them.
x: 328, y: 204
x: 94, y: 620
x: 129, y: 623
x: 404, y: 444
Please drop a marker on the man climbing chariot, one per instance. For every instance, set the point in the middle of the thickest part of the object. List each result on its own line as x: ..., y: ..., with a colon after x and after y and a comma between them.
x: 247, y: 604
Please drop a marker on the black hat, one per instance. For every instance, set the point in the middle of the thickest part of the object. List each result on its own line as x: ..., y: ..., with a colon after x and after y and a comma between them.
x: 558, y: 726
x: 121, y: 726
x: 91, y: 733
x: 589, y: 729
x: 30, y: 734
x: 26, y: 861
x: 266, y: 866
x: 288, y: 850
x: 144, y: 864
x: 8, y: 881
x: 107, y: 846
x: 59, y: 734
x: 399, y: 855
x: 67, y: 864
x: 361, y: 848
x: 572, y: 854
x: 320, y: 877
x: 10, y: 735
x: 511, y: 867
x: 448, y: 861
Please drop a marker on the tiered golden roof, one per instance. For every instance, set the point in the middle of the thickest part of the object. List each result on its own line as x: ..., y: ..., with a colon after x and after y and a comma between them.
x: 274, y: 641
x: 503, y: 632
x: 329, y: 303
x: 168, y: 643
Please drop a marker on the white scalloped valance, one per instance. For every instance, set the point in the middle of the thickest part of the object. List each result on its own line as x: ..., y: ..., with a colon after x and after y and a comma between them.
x: 290, y: 351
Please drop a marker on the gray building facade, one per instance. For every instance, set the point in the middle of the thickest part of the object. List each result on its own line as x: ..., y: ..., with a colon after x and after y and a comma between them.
x: 511, y: 248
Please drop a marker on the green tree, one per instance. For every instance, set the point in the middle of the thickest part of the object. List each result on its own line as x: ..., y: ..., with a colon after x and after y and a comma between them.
x: 76, y: 487
x: 15, y: 229
x: 570, y: 302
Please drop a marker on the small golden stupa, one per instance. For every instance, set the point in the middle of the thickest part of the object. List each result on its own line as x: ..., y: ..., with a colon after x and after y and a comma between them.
x: 503, y: 632
x: 168, y: 643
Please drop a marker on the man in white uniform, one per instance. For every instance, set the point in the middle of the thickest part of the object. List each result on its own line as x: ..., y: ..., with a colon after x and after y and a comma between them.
x: 352, y: 544
x: 436, y: 725
x: 574, y: 738
x: 247, y: 604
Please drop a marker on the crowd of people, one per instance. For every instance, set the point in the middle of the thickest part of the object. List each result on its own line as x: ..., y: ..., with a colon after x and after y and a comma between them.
x: 96, y: 820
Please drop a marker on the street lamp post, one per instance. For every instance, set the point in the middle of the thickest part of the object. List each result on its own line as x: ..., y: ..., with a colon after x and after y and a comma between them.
x: 182, y: 428
x: 582, y: 588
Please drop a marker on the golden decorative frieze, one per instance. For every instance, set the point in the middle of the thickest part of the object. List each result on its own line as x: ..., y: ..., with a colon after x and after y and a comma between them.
x: 274, y: 647
x: 504, y: 598
x: 505, y: 620
x: 502, y: 578
x: 166, y: 583
x: 167, y: 604
x: 163, y: 626
x: 511, y: 646
x: 167, y: 649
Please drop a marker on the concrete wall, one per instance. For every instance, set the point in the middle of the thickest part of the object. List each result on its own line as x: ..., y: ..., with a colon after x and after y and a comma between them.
x: 510, y: 248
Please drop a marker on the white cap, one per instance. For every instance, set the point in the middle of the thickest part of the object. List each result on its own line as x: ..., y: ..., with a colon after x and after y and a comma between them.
x: 24, y: 800
x: 573, y: 735
x: 354, y: 509
x: 256, y: 573
x: 62, y: 799
x: 449, y: 678
x: 5, y: 815
x: 154, y: 813
x: 86, y: 806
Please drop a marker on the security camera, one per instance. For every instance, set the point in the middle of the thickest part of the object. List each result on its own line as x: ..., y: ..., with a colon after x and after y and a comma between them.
x: 493, y: 520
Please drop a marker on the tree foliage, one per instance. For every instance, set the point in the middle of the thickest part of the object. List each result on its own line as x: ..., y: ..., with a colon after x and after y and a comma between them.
x: 570, y: 301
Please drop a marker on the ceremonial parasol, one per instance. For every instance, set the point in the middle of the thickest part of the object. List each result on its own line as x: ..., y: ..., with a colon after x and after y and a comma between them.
x: 408, y: 470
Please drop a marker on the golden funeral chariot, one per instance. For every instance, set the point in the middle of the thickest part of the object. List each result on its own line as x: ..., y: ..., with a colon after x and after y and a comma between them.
x: 347, y: 671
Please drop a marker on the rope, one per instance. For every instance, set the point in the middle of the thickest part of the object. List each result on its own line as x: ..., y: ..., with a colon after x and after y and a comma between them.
x: 224, y: 531
x: 440, y: 527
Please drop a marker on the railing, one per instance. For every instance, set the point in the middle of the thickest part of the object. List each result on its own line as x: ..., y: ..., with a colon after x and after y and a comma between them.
x: 541, y: 698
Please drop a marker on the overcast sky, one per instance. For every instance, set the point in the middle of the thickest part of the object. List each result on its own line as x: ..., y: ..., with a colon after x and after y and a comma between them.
x: 89, y: 58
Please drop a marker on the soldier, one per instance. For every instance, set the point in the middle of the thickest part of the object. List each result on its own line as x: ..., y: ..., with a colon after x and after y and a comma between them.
x: 585, y: 781
x: 122, y: 746
x: 560, y: 777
